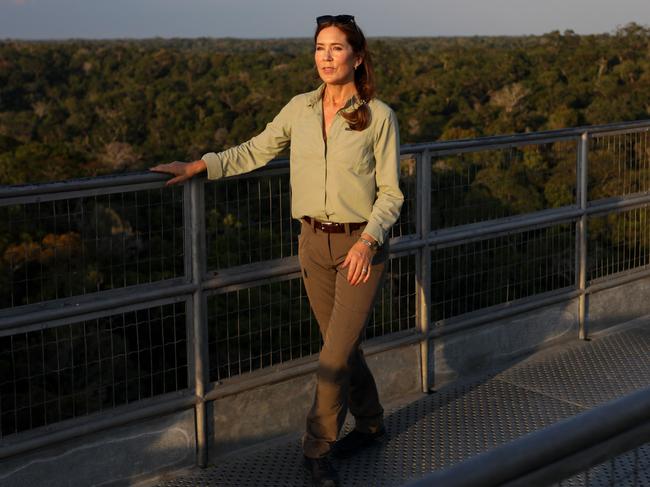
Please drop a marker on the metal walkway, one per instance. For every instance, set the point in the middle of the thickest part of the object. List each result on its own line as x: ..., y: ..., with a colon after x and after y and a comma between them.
x: 463, y: 419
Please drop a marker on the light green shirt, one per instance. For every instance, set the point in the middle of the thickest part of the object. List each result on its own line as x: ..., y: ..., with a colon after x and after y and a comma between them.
x: 353, y: 176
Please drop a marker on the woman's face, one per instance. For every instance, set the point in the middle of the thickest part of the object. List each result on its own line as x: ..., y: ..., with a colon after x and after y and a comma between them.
x: 335, y: 59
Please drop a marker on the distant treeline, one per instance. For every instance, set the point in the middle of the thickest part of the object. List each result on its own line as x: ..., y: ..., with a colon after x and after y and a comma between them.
x: 82, y: 108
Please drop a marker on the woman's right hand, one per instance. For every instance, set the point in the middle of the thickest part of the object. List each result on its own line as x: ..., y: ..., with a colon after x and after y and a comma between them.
x: 182, y: 171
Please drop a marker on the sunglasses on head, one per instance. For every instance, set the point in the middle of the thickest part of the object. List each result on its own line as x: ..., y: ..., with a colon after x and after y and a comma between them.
x: 338, y: 19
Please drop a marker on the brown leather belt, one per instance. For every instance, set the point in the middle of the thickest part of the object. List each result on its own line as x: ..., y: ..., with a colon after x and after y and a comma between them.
x: 332, y: 227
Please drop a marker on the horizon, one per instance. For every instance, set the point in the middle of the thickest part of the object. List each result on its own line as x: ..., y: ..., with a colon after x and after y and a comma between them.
x: 309, y: 38
x: 292, y: 19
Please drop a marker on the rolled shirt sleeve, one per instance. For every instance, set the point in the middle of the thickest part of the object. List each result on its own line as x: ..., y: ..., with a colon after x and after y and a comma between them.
x: 254, y: 153
x: 388, y: 204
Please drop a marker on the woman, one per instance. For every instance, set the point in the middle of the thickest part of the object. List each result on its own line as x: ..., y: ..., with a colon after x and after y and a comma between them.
x: 344, y: 177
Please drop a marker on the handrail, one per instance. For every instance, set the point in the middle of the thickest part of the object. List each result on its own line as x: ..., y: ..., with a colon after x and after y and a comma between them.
x: 139, y: 177
x: 529, y: 137
x: 546, y: 456
x: 81, y: 184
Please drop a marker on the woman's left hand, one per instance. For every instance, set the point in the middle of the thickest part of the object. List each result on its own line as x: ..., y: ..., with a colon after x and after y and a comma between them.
x: 359, y: 259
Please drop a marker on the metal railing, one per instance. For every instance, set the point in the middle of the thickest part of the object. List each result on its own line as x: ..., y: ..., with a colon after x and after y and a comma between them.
x: 126, y: 299
x: 556, y: 453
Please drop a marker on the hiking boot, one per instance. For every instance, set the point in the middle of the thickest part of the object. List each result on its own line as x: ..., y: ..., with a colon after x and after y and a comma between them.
x: 355, y: 441
x: 322, y: 472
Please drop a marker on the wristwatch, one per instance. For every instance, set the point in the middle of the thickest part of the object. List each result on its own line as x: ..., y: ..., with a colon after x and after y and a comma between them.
x: 371, y: 245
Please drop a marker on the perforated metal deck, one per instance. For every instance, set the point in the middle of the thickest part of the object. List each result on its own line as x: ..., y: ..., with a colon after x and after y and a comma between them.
x: 629, y: 470
x: 463, y: 419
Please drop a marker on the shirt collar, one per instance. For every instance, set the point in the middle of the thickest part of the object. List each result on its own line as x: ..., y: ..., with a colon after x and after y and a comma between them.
x: 313, y: 97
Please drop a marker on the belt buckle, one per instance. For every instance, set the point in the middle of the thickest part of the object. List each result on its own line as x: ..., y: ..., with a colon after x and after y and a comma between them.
x: 327, y: 226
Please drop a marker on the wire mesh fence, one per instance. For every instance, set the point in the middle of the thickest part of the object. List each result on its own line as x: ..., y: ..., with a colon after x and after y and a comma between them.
x: 619, y: 165
x: 69, y: 371
x: 476, y: 275
x: 57, y: 247
x: 249, y: 220
x: 406, y: 223
x: 618, y: 242
x: 483, y: 185
x: 394, y: 310
x: 269, y: 324
x: 260, y: 326
x: 67, y: 247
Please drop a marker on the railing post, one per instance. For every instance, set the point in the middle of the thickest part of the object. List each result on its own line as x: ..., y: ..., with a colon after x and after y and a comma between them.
x: 199, y: 315
x: 581, y: 233
x: 423, y: 262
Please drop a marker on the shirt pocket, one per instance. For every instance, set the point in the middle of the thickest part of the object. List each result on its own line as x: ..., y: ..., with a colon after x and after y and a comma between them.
x: 355, y: 148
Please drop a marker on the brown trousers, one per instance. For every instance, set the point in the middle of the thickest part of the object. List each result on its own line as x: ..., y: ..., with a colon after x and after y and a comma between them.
x: 342, y: 311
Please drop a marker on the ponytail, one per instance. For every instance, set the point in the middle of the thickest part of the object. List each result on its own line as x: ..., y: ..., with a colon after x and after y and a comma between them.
x: 364, y: 80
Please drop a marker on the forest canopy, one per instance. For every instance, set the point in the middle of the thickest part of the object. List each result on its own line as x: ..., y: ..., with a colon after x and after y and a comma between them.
x: 83, y: 108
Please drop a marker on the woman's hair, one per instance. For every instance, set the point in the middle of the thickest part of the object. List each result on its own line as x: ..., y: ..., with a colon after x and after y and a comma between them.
x: 364, y: 76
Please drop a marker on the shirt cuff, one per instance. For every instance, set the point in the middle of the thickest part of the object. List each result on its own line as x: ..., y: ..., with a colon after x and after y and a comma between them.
x: 213, y: 164
x: 375, y: 231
